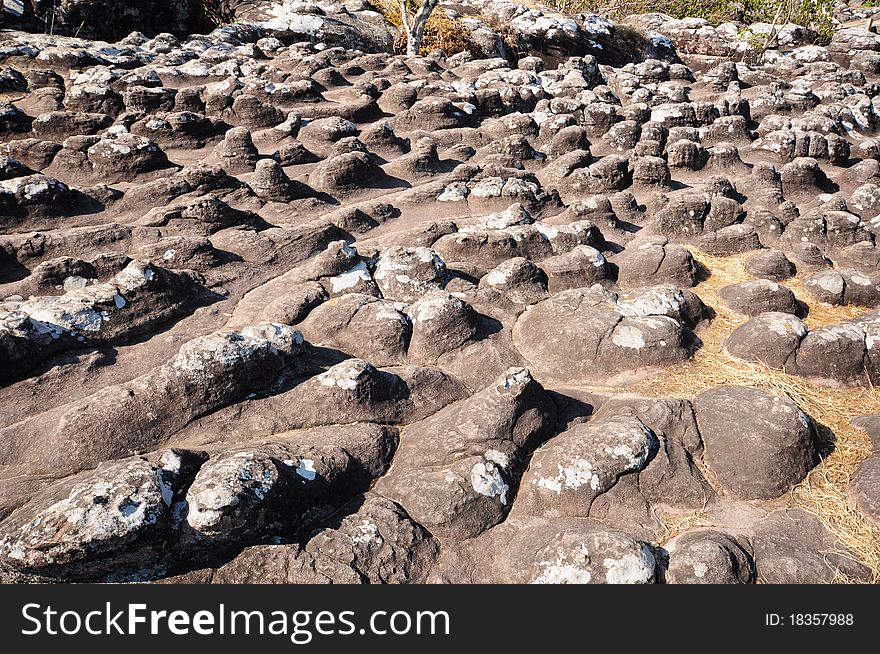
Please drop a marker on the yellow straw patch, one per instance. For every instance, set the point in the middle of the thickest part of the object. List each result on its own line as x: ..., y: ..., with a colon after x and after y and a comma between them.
x: 824, y: 491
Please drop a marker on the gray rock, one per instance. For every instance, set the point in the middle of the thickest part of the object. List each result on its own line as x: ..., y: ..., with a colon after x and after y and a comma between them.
x: 655, y: 261
x: 372, y: 540
x: 842, y: 287
x: 772, y: 265
x: 234, y: 495
x: 568, y: 473
x: 441, y: 323
x: 352, y: 391
x: 537, y: 551
x: 617, y: 470
x: 707, y: 556
x: 119, y: 420
x: 834, y: 354
x: 405, y: 274
x: 759, y: 445
x: 671, y: 419
x: 293, y: 306
x: 270, y: 183
x: 457, y: 472
x: 770, y: 338
x: 489, y: 248
x: 118, y: 511
x: 237, y: 152
x: 734, y: 239
x: 430, y: 114
x: 378, y: 540
x: 753, y: 298
x: 582, y: 267
x: 792, y: 547
x: 871, y: 426
x: 132, y: 302
x: 592, y: 335
x: 361, y: 326
x: 283, y: 484
x: 518, y: 280
x: 308, y: 23
x: 864, y: 489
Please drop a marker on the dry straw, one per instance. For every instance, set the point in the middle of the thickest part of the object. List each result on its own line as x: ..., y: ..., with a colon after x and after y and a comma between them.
x: 824, y: 491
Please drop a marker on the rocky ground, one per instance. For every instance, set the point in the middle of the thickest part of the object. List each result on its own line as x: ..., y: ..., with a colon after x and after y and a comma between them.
x: 600, y: 304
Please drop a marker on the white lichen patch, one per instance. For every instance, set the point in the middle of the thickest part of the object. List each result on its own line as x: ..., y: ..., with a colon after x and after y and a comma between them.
x: 629, y: 337
x: 486, y: 479
x: 860, y: 279
x: 516, y: 378
x: 569, y: 567
x: 306, y: 469
x: 165, y: 486
x: 497, y: 457
x: 573, y: 475
x: 170, y: 461
x: 595, y: 257
x: 785, y: 324
x: 547, y: 231
x: 513, y: 215
x: 199, y: 516
x: 55, y: 318
x: 344, y: 376
x: 134, y: 276
x: 388, y: 313
x: 83, y: 309
x: 125, y: 501
x: 433, y: 306
x: 633, y: 446
x: 289, y: 16
x: 872, y: 335
x: 498, y: 278
x: 358, y: 274
x: 831, y: 281
x: 848, y: 331
x: 659, y: 301
x: 631, y: 568
x: 282, y: 339
x: 212, y: 354
x: 36, y: 189
x: 457, y: 192
x: 367, y: 534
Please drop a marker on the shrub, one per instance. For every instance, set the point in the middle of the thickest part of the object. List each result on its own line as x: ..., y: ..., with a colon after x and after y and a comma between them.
x: 209, y: 14
x: 814, y: 15
x: 441, y: 31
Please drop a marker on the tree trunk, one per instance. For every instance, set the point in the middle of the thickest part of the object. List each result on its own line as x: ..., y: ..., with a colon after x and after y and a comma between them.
x: 415, y: 30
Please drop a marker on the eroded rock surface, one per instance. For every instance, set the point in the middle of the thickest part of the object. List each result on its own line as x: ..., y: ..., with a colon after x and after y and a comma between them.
x: 279, y: 304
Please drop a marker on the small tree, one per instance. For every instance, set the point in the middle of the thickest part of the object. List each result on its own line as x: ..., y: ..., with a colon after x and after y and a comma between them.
x: 414, y: 26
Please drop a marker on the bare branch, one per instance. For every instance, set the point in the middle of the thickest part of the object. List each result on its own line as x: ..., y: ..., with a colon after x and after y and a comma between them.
x: 404, y: 17
x: 425, y: 11
x: 416, y: 31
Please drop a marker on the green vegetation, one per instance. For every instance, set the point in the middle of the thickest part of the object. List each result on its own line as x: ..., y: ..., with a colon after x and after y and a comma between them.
x: 815, y: 15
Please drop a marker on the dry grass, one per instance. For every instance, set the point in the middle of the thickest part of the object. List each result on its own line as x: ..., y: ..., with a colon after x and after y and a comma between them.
x: 440, y: 31
x: 12, y: 98
x: 824, y: 491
